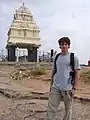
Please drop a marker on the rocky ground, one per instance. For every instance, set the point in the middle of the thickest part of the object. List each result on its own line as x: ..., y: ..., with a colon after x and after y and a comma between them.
x: 26, y: 98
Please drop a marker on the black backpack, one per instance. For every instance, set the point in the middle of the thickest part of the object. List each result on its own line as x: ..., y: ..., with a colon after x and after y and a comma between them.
x: 72, y: 73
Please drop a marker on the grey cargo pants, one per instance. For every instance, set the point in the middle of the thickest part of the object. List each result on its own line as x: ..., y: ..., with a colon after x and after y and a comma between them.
x: 54, y: 100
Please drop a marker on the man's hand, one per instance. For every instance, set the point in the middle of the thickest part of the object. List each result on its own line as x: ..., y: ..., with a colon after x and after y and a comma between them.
x: 73, y: 92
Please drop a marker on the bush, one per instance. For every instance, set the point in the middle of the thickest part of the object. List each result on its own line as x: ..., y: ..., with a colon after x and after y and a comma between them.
x: 20, y: 74
x: 38, y: 71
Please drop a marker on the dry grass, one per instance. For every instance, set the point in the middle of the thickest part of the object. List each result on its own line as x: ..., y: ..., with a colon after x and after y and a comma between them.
x: 21, y: 74
x: 85, y: 76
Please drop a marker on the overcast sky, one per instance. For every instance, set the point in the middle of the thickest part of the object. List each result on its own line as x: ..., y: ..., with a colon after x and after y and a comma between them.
x: 55, y: 18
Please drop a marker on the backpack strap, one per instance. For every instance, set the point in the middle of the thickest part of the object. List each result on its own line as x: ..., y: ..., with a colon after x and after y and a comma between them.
x: 73, y: 68
x: 72, y: 60
x: 55, y: 67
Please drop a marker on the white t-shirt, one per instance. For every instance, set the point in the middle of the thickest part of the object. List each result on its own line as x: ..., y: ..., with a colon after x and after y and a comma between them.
x: 62, y: 79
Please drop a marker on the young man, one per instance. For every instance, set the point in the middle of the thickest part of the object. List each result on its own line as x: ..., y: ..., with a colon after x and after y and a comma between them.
x: 61, y: 86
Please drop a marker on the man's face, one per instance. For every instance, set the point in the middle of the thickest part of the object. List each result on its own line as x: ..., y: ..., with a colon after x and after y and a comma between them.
x: 64, y: 47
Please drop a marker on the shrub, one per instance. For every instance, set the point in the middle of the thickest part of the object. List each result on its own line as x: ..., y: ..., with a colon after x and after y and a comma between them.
x: 38, y: 71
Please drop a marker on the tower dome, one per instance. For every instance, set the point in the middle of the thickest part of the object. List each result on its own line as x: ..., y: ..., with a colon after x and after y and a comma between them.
x: 23, y: 9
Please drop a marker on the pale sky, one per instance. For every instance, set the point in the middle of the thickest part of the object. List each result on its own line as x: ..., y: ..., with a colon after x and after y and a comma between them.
x: 55, y: 18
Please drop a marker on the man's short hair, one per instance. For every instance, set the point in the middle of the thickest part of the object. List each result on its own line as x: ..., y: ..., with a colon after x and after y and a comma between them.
x: 64, y: 39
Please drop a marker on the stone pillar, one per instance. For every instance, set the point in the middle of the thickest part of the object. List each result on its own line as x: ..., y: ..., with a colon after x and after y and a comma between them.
x: 32, y: 55
x: 11, y: 54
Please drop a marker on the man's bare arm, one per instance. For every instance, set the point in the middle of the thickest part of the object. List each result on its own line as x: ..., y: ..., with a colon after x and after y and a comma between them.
x: 52, y: 78
x: 77, y: 76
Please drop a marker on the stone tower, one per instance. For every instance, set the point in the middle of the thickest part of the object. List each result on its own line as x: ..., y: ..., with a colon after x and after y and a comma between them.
x: 23, y: 33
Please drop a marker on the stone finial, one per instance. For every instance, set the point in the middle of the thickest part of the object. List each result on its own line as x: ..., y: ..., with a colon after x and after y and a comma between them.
x: 23, y: 3
x: 16, y: 10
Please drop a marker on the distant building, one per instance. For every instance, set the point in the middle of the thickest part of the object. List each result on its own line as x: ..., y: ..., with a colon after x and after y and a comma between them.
x: 23, y: 33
